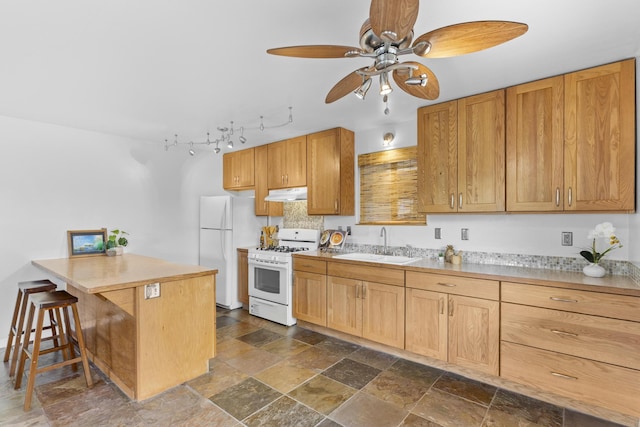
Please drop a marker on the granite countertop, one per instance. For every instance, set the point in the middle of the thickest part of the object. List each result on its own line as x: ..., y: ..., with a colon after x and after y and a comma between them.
x: 622, y: 285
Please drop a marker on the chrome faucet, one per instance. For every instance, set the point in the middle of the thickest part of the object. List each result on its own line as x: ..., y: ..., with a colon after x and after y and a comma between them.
x: 383, y: 232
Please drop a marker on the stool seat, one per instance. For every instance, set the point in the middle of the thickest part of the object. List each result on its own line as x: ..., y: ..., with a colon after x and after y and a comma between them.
x: 52, y: 302
x: 53, y: 299
x: 25, y: 290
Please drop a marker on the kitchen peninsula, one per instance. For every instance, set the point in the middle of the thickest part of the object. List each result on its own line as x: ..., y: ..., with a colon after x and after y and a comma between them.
x: 146, y: 339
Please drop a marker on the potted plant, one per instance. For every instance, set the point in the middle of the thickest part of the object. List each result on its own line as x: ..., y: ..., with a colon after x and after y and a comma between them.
x: 605, y: 230
x: 116, y: 242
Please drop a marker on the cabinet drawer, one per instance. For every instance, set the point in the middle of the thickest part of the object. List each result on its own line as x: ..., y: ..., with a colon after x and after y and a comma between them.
x: 478, y: 288
x: 607, y: 340
x: 309, y: 265
x: 593, y: 382
x: 385, y: 275
x: 586, y: 302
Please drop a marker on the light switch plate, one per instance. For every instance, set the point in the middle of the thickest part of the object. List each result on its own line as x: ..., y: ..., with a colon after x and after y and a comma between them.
x: 567, y: 238
x: 438, y: 233
x: 464, y: 234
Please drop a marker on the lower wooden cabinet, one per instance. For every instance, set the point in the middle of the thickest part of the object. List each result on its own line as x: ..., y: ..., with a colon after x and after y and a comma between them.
x: 374, y: 311
x: 579, y: 344
x: 310, y: 297
x: 460, y: 329
x: 597, y: 383
x: 453, y: 328
x: 243, y: 276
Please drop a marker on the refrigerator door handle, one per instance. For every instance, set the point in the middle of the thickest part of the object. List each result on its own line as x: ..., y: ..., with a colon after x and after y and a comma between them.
x: 223, y: 218
x: 223, y: 246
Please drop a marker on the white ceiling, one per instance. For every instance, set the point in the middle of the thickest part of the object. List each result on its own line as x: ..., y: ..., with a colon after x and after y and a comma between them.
x: 150, y: 68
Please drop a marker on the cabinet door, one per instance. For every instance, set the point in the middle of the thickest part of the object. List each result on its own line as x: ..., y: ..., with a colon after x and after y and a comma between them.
x: 426, y: 328
x: 383, y: 313
x: 296, y: 162
x: 323, y: 173
x: 600, y: 138
x: 535, y: 144
x: 438, y: 157
x: 243, y: 277
x: 276, y: 155
x: 310, y: 297
x: 238, y: 169
x: 344, y: 305
x: 262, y: 207
x: 474, y: 333
x: 481, y: 153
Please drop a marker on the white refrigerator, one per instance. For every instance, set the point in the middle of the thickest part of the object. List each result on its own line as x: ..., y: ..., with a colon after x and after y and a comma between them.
x: 227, y: 223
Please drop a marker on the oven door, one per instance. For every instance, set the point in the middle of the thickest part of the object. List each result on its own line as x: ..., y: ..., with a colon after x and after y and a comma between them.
x: 269, y: 281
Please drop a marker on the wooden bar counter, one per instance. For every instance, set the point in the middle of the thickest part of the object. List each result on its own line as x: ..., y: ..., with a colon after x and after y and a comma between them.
x: 145, y: 346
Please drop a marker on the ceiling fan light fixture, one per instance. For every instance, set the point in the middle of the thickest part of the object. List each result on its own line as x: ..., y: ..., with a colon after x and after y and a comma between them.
x: 361, y: 92
x: 385, y: 87
x: 421, y: 80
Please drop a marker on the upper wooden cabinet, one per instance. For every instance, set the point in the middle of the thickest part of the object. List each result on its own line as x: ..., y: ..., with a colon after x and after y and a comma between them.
x: 599, y: 133
x: 571, y: 142
x: 535, y: 121
x: 330, y: 172
x: 287, y: 163
x: 262, y: 207
x: 238, y: 170
x: 461, y: 151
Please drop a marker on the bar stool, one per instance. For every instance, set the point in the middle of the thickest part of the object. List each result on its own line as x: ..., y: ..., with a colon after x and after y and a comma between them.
x: 46, y: 302
x: 17, y: 324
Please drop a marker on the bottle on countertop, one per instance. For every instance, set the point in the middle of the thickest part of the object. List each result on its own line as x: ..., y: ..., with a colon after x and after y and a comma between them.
x: 448, y: 253
x: 262, y: 240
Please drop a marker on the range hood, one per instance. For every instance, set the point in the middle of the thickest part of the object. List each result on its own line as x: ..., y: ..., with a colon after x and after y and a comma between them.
x: 287, y: 195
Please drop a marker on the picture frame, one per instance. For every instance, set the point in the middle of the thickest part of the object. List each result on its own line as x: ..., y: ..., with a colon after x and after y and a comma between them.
x: 84, y: 243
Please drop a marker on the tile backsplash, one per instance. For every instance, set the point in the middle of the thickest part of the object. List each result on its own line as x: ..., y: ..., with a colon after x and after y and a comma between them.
x: 295, y: 216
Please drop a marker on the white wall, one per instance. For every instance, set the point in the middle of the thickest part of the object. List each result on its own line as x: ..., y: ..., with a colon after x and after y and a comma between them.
x: 54, y: 179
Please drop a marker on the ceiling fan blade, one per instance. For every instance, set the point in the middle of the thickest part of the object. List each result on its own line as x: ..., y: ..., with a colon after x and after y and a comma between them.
x: 390, y: 17
x: 468, y: 37
x: 313, y: 51
x: 349, y: 83
x: 430, y: 91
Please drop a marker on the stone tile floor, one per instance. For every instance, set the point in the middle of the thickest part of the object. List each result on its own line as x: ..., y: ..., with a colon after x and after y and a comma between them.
x: 270, y: 375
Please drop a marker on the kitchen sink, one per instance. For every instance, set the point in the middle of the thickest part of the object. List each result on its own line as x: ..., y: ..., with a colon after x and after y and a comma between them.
x: 383, y: 259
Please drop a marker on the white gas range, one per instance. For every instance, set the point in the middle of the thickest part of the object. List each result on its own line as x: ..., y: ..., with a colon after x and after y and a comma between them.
x: 271, y: 275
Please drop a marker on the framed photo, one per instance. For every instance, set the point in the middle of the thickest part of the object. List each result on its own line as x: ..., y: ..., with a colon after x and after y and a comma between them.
x: 87, y: 242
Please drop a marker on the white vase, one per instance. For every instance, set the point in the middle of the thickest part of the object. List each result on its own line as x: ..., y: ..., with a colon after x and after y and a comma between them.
x: 115, y: 251
x: 594, y: 270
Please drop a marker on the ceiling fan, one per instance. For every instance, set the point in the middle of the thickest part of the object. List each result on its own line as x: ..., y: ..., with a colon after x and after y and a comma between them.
x: 388, y: 34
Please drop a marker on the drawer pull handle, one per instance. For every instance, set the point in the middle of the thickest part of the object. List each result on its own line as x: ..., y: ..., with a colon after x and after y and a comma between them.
x: 566, y: 377
x: 569, y: 334
x: 562, y: 299
x: 448, y: 285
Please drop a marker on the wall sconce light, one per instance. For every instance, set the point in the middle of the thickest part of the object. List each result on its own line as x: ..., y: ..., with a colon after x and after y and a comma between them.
x: 387, y: 139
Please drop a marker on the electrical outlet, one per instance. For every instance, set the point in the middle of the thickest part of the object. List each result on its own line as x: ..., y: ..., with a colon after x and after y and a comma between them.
x: 348, y: 230
x: 438, y: 233
x: 567, y: 238
x: 464, y: 234
x: 152, y: 290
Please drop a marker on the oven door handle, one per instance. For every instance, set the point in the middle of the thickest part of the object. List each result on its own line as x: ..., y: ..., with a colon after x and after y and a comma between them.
x: 277, y: 264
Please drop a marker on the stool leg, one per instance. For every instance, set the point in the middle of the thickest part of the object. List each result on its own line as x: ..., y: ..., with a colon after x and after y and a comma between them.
x: 25, y: 347
x: 83, y: 350
x: 54, y: 328
x: 61, y: 334
x: 20, y: 330
x: 34, y: 360
x: 68, y: 338
x: 13, y: 326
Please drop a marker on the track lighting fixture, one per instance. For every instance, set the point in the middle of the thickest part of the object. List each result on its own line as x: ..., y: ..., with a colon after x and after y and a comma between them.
x: 226, y: 134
